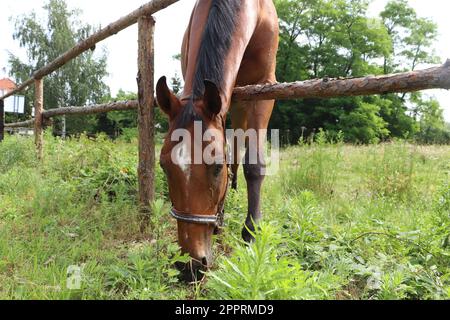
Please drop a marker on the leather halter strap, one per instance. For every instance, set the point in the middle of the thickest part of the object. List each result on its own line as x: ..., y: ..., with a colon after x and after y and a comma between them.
x: 196, y: 219
x: 215, y: 220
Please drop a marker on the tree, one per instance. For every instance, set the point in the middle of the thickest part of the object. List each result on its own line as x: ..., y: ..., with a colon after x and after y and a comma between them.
x: 176, y: 83
x: 79, y: 82
x: 336, y: 38
x: 397, y: 17
x: 364, y: 125
x: 324, y: 38
x: 113, y: 123
x: 412, y: 37
x: 432, y: 126
x: 293, y: 20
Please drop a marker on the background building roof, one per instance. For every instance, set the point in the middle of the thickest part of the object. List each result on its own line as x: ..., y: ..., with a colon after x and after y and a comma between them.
x: 7, y: 84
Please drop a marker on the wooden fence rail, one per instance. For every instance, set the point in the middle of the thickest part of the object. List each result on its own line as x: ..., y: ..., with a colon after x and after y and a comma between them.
x: 80, y: 111
x: 101, y: 108
x: 23, y: 124
x: 432, y: 78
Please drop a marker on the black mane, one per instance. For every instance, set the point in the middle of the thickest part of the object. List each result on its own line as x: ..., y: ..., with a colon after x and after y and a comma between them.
x: 216, y: 42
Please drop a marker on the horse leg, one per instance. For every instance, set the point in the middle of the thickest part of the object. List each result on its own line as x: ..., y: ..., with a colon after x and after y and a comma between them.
x: 254, y: 167
x: 238, y: 121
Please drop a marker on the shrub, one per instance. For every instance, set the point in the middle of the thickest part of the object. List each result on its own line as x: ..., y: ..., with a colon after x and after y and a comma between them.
x: 259, y: 271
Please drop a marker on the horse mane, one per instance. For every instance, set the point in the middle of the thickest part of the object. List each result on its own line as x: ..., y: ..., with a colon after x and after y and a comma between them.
x: 215, y: 44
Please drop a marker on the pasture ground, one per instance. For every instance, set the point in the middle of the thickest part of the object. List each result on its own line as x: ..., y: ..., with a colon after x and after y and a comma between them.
x: 341, y: 222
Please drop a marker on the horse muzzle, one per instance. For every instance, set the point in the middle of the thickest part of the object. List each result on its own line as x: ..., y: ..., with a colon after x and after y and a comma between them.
x: 193, y: 271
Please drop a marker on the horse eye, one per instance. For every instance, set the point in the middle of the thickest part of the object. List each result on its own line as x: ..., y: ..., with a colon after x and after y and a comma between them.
x: 164, y: 169
x: 218, y: 169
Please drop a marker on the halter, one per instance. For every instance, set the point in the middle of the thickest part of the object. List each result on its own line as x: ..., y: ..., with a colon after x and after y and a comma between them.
x: 197, y: 219
x: 214, y: 220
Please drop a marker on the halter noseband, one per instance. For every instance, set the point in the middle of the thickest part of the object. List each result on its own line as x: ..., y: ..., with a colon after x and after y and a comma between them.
x: 196, y: 219
x: 214, y: 220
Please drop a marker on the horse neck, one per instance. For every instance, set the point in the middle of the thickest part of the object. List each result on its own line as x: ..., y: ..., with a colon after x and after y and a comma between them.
x: 246, y: 22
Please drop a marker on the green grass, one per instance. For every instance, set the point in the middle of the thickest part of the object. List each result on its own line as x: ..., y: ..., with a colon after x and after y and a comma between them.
x: 341, y: 222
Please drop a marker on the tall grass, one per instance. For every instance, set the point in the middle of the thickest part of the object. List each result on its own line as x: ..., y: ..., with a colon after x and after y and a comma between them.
x: 16, y: 152
x: 340, y: 222
x: 390, y: 173
x: 260, y: 271
x: 312, y: 167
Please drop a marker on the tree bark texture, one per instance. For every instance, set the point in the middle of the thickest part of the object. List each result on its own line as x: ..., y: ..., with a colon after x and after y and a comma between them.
x: 146, y: 117
x: 101, y: 108
x: 433, y: 78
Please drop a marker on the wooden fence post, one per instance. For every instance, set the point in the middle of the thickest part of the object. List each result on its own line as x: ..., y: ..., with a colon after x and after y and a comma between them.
x: 2, y: 120
x: 38, y: 123
x: 146, y: 121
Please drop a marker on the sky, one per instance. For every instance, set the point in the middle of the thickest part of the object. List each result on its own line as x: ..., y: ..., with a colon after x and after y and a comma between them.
x: 170, y: 26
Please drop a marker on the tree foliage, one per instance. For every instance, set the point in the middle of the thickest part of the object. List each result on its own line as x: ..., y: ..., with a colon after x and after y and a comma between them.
x: 337, y: 38
x: 80, y: 81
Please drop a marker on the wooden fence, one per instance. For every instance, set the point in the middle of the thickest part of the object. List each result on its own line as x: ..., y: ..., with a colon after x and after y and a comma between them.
x: 437, y: 77
x: 146, y: 25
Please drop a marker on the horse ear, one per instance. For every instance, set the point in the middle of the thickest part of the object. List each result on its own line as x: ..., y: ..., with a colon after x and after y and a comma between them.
x: 212, y: 99
x: 167, y: 101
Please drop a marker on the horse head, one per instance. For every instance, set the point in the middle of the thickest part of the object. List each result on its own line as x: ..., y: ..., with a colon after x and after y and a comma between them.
x: 194, y: 161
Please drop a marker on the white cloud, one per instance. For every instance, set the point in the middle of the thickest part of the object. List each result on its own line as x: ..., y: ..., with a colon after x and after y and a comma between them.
x: 170, y: 27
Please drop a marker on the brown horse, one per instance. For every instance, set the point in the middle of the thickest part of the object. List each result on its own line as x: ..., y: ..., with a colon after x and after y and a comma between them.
x: 228, y: 43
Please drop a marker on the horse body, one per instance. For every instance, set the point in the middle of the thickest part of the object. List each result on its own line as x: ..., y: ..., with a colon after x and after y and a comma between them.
x: 228, y: 43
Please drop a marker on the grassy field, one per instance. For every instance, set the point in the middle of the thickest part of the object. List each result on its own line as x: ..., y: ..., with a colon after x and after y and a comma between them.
x: 341, y: 222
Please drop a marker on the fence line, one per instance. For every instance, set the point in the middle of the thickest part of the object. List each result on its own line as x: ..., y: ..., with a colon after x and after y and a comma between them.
x: 72, y: 111
x: 145, y: 105
x: 146, y: 119
x: 432, y: 78
x: 23, y: 124
x: 101, y: 108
